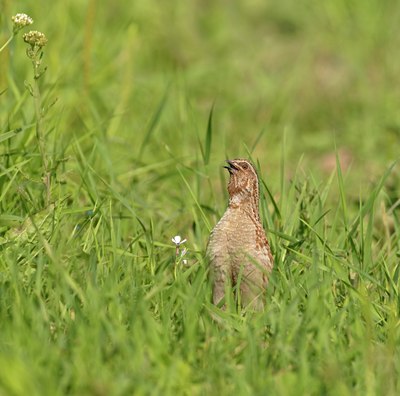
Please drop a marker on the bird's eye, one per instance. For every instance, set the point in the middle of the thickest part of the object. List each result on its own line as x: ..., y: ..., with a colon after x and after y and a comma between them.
x: 245, y: 166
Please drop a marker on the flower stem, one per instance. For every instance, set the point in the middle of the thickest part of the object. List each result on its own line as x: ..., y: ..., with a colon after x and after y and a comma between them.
x: 7, y: 42
x: 39, y: 130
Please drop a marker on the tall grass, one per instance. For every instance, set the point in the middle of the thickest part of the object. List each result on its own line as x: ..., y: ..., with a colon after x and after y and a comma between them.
x: 149, y: 103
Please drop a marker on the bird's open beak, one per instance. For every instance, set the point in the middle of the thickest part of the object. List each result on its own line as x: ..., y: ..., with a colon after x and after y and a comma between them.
x: 231, y: 168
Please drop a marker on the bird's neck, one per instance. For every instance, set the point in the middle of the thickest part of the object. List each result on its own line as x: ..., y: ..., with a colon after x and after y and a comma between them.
x: 248, y: 204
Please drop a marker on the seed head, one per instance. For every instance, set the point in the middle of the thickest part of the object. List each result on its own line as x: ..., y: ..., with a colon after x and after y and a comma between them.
x: 35, y: 39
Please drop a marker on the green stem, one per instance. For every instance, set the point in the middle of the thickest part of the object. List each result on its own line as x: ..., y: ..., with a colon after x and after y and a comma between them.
x: 176, y: 262
x: 39, y: 130
x: 7, y: 42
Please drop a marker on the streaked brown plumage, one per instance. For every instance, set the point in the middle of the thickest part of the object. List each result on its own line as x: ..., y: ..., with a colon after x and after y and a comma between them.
x: 238, y: 249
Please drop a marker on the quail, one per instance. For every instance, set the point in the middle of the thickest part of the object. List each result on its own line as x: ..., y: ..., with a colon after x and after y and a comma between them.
x: 238, y: 250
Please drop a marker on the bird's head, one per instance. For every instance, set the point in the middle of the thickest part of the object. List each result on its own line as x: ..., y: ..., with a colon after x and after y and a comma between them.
x: 243, y: 182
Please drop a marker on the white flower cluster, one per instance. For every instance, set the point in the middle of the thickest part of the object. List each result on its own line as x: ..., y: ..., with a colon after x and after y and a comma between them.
x: 21, y: 20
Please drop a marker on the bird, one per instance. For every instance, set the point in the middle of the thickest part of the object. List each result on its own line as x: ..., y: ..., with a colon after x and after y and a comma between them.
x: 238, y: 250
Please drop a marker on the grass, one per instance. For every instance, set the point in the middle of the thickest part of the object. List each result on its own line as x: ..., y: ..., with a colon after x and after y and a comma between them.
x: 140, y: 107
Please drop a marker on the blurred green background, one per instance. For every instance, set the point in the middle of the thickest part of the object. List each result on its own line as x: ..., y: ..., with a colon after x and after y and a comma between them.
x: 323, y: 73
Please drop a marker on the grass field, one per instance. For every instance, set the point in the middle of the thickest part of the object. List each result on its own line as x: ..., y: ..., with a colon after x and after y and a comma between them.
x: 118, y: 145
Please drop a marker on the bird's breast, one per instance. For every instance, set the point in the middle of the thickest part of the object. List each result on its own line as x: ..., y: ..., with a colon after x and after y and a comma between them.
x: 233, y: 233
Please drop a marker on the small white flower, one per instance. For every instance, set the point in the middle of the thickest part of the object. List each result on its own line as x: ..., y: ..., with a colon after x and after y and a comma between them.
x: 177, y: 240
x: 184, y: 262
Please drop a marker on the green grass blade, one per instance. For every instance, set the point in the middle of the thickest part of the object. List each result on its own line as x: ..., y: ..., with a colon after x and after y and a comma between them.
x: 208, y: 138
x: 153, y: 123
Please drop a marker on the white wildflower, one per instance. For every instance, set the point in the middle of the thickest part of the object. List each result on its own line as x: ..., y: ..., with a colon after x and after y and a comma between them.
x: 177, y: 240
x: 20, y: 21
x: 179, y: 254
